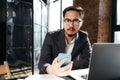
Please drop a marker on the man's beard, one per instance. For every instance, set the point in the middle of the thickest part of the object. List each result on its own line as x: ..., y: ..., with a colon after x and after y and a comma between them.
x: 71, y: 35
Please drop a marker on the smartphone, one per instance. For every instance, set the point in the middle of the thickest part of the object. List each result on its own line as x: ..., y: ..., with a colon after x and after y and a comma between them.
x: 62, y: 56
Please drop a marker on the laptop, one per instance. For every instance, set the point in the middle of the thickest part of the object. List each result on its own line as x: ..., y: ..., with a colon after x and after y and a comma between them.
x: 105, y: 62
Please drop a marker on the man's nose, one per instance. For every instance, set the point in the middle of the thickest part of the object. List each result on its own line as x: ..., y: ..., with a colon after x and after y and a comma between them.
x: 71, y: 24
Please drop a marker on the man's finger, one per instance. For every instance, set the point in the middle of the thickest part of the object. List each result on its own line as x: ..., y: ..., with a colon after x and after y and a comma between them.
x: 67, y: 67
x: 55, y: 60
x: 62, y: 61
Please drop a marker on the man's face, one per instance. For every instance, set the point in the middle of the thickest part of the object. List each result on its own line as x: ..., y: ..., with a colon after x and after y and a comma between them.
x: 72, y: 23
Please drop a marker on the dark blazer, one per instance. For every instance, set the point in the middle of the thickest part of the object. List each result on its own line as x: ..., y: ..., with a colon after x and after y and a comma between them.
x: 54, y: 44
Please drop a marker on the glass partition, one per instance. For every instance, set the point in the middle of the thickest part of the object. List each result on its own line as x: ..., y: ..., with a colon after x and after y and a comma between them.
x: 19, y: 37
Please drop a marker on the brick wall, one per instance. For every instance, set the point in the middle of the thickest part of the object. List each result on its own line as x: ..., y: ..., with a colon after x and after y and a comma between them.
x: 97, y: 19
x: 104, y: 21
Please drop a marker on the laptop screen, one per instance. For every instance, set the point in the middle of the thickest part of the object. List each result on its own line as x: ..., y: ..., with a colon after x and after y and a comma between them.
x: 105, y: 62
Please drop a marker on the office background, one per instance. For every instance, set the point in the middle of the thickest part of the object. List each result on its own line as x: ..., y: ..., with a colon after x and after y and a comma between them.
x: 24, y: 24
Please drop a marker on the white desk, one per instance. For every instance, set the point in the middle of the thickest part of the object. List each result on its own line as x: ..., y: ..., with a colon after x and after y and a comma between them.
x: 76, y: 74
x: 43, y: 77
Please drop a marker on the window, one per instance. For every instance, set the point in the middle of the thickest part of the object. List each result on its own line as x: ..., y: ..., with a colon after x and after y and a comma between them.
x: 118, y: 12
x: 40, y: 29
x: 117, y: 37
x: 54, y: 15
x: 56, y: 8
x: 115, y: 27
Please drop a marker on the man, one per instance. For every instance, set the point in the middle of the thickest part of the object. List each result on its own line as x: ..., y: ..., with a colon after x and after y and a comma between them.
x: 69, y: 40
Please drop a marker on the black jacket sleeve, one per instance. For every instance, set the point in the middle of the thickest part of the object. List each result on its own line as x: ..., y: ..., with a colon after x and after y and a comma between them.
x: 46, y: 55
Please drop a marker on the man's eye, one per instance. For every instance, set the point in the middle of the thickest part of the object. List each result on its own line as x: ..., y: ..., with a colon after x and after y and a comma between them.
x: 76, y: 20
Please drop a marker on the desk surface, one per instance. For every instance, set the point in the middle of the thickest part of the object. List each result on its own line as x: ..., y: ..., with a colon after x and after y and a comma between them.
x: 76, y: 74
x: 43, y: 77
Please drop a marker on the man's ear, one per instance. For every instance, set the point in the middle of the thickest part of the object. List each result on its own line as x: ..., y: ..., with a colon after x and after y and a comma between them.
x: 81, y: 23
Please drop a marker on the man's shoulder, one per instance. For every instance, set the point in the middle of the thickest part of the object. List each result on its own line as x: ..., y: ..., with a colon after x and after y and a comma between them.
x: 81, y: 32
x: 56, y: 33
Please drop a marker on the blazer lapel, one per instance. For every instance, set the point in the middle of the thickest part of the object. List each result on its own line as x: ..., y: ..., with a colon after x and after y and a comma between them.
x: 75, y: 49
x: 78, y: 46
x: 61, y: 42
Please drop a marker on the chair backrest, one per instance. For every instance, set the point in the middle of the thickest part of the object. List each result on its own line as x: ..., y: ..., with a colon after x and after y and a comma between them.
x: 4, y: 69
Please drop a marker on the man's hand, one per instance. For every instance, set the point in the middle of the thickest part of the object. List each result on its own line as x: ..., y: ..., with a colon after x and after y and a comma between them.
x: 56, y: 68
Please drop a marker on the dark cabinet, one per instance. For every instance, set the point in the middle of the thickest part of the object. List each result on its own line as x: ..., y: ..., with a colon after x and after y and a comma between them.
x: 22, y: 34
x: 19, y: 32
x: 2, y: 31
x: 16, y: 36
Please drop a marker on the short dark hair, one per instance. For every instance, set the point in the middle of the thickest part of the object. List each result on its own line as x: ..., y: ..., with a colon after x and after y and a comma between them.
x: 72, y: 8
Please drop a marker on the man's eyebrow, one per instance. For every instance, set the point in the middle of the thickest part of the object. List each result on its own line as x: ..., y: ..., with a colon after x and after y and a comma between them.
x: 67, y: 18
x: 73, y: 19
